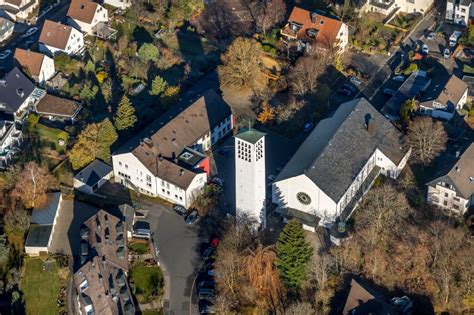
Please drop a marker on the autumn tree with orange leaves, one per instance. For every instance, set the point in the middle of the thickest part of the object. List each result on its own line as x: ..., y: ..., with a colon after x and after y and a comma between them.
x: 267, y: 114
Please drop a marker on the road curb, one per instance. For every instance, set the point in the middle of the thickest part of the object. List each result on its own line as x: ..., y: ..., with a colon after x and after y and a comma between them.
x: 166, y: 279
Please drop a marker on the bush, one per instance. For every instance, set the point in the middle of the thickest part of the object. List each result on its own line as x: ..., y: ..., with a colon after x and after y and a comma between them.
x: 468, y: 69
x: 269, y: 50
x: 411, y: 68
x: 33, y: 120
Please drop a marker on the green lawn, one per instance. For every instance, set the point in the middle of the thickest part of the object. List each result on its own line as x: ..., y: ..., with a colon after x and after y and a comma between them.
x: 41, y: 288
x: 140, y: 248
x: 52, y: 135
x: 148, y: 282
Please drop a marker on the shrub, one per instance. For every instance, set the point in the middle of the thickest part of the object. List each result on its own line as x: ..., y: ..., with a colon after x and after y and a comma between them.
x: 411, y: 68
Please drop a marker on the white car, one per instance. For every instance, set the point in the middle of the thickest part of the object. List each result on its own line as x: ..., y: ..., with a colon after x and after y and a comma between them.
x: 425, y: 49
x: 398, y: 78
x: 431, y: 35
x: 30, y: 32
x: 446, y: 53
x: 5, y: 54
x: 355, y: 80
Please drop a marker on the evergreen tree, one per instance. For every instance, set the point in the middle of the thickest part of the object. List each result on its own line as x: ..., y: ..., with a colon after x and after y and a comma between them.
x: 293, y: 254
x: 148, y: 52
x: 125, y: 116
x: 158, y: 85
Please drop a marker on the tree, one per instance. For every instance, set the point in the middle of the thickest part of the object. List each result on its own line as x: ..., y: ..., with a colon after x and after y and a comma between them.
x: 407, y: 109
x: 293, y: 254
x: 61, y: 61
x: 259, y: 267
x: 300, y: 308
x: 16, y: 221
x: 170, y: 96
x: 272, y: 12
x: 88, y: 92
x: 305, y: 74
x: 125, y: 117
x: 158, y: 85
x: 267, y: 114
x: 93, y: 142
x: 148, y: 52
x: 427, y: 139
x: 241, y: 65
x: 205, y: 200
x: 32, y: 184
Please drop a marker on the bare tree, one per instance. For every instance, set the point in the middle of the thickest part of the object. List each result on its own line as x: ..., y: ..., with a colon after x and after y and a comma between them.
x: 271, y: 12
x: 305, y: 74
x: 32, y: 184
x: 241, y: 65
x: 300, y: 308
x: 427, y: 139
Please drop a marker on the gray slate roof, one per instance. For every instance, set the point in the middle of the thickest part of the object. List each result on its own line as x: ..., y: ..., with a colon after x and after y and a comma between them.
x: 461, y: 175
x: 15, y: 88
x: 46, y: 214
x: 38, y: 235
x: 93, y: 172
x: 339, y: 147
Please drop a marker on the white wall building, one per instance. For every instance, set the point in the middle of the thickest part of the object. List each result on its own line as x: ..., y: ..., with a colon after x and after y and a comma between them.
x: 442, y: 100
x: 122, y: 4
x: 459, y: 11
x: 337, y: 164
x: 6, y: 28
x: 406, y: 6
x: 39, y: 66
x: 59, y: 38
x: 84, y: 15
x: 166, y: 159
x: 250, y: 188
x: 10, y: 139
x: 18, y: 9
x: 454, y: 190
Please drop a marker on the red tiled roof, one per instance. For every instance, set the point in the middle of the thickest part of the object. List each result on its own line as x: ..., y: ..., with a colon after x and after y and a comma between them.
x: 327, y: 27
x: 82, y: 10
x: 29, y: 60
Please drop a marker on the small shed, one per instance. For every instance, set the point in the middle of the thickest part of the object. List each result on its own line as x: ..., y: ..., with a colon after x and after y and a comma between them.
x: 92, y: 177
x: 43, y: 222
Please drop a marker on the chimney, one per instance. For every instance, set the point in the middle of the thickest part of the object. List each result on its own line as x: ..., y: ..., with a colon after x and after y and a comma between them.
x: 371, y: 126
x: 314, y: 16
x: 181, y: 172
x: 458, y: 169
x: 160, y: 157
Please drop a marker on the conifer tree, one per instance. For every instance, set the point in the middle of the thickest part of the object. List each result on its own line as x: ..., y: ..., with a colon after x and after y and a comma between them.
x: 125, y: 116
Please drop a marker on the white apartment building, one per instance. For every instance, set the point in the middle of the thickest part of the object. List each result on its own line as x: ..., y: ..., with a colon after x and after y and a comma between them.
x: 250, y: 190
x: 454, y: 190
x: 86, y: 15
x: 10, y: 140
x: 59, y: 38
x: 337, y: 164
x: 122, y: 4
x: 167, y: 159
x: 459, y: 11
x: 18, y: 9
x: 6, y: 28
x: 406, y: 6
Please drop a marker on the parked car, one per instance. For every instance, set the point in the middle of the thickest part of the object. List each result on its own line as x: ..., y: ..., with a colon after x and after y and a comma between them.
x: 453, y: 39
x: 208, y: 251
x: 349, y: 87
x: 206, y: 293
x: 446, y: 53
x: 180, y: 210
x: 344, y: 92
x: 214, y: 242
x: 468, y: 53
x: 425, y: 49
x: 389, y: 92
x: 206, y: 307
x: 141, y: 229
x: 308, y: 127
x: 271, y: 177
x: 192, y: 218
x: 218, y: 181
x: 206, y: 284
x: 5, y: 54
x: 398, y: 78
x: 30, y: 32
x: 355, y: 80
x: 430, y: 35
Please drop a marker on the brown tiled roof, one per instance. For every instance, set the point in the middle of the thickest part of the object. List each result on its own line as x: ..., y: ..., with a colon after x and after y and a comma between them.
x: 55, y: 34
x: 327, y: 31
x: 57, y: 106
x: 14, y: 2
x: 449, y: 94
x: 82, y: 10
x: 170, y: 134
x: 29, y: 60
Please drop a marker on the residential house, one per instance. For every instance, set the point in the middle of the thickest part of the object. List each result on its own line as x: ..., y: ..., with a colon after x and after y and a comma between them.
x: 19, y: 10
x: 442, y: 100
x: 459, y: 11
x: 363, y: 299
x: 392, y: 7
x: 337, y: 164
x: 18, y: 94
x: 11, y: 138
x: 59, y: 38
x: 101, y: 281
x: 413, y: 86
x: 43, y: 222
x: 6, y: 28
x: 166, y: 159
x: 39, y: 66
x: 92, y: 177
x: 308, y: 29
x: 453, y: 189
x: 86, y: 15
x: 57, y: 108
x: 121, y: 4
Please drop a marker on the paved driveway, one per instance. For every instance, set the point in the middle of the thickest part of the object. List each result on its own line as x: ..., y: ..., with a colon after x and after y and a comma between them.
x: 178, y: 248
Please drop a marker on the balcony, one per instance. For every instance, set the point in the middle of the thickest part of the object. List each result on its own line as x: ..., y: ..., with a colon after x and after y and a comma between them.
x: 383, y: 6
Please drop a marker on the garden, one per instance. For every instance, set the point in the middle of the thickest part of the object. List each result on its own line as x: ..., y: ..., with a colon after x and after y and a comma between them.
x: 406, y: 20
x: 146, y: 280
x: 372, y: 36
x: 44, y: 286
